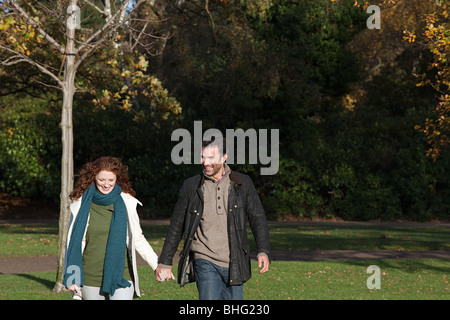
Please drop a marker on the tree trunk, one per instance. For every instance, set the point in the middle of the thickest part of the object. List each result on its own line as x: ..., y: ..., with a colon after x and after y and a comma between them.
x: 67, y: 154
x: 66, y: 178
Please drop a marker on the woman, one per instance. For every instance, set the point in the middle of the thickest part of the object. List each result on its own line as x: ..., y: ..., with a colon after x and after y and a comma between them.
x: 104, y: 233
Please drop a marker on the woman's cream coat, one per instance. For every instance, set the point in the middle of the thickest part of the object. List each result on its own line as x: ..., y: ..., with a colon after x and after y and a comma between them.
x: 135, y: 238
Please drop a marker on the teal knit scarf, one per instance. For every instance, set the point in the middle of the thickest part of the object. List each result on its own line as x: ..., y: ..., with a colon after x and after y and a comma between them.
x: 116, y: 246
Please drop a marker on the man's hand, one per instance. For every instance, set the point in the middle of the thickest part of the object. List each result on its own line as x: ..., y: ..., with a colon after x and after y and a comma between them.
x: 163, y: 274
x: 263, y: 261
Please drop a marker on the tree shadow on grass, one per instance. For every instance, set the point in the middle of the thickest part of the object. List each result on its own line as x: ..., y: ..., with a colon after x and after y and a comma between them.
x: 405, y: 265
x: 45, y: 282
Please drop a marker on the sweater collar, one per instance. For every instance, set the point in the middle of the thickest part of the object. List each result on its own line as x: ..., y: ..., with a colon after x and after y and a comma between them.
x: 227, y: 170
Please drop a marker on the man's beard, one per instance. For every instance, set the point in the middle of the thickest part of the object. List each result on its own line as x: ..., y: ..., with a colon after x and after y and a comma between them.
x: 215, y: 168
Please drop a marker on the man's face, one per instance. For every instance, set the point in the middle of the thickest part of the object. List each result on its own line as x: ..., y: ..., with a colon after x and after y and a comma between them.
x: 212, y: 161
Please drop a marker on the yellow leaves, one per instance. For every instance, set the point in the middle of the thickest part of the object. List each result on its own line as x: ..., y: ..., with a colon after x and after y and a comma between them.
x: 142, y: 64
x: 409, y: 36
x: 7, y: 23
x: 104, y: 100
x: 436, y: 130
x: 18, y: 35
x: 126, y: 74
x: 11, y: 40
x: 106, y: 93
x: 349, y: 102
x: 356, y: 4
x: 137, y: 86
x: 126, y: 105
x: 10, y: 132
x: 113, y: 61
x: 436, y: 36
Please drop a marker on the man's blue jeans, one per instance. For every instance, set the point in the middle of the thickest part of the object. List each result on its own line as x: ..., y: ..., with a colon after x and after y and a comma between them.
x: 213, y: 282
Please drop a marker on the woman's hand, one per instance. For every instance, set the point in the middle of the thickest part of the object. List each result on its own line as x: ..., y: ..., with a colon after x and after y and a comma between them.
x: 73, y: 287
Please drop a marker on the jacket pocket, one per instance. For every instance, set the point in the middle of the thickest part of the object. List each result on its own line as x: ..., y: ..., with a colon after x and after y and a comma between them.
x: 237, y: 211
x: 193, y: 213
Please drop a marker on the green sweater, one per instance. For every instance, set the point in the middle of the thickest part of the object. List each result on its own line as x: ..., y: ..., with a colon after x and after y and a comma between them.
x: 96, y: 242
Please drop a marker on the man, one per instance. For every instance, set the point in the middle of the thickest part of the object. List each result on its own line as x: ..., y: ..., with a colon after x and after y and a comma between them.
x: 211, y: 212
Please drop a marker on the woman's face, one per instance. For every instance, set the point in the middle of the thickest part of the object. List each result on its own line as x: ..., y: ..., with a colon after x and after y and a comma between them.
x: 105, y: 181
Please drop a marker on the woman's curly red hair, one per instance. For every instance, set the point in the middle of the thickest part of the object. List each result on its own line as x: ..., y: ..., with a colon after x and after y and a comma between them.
x: 87, y: 175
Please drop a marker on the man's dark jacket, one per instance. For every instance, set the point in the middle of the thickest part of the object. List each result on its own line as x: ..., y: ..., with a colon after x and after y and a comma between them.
x: 243, y: 204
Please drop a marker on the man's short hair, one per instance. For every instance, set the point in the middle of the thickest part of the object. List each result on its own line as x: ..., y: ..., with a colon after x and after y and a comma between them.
x: 220, y: 143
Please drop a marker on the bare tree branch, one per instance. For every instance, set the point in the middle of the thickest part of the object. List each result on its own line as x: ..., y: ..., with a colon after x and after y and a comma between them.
x: 30, y: 21
x: 105, y: 27
x: 107, y: 31
x: 139, y: 36
x: 92, y: 4
x: 18, y: 57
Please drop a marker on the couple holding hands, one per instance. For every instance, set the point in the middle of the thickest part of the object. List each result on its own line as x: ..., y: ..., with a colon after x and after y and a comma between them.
x: 210, y: 214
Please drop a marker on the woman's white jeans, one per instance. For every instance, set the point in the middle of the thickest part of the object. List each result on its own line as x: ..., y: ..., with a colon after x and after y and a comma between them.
x: 94, y: 293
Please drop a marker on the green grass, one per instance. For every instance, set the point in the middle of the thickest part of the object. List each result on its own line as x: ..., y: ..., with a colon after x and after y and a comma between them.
x: 425, y: 279
x: 18, y: 240
x: 417, y: 279
x: 28, y: 240
x: 343, y: 280
x: 311, y: 237
x: 32, y: 240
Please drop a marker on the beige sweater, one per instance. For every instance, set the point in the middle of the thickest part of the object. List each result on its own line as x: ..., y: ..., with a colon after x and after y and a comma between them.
x: 211, y: 238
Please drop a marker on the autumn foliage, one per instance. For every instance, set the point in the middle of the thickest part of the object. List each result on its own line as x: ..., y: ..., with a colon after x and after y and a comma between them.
x: 363, y: 114
x: 436, y: 37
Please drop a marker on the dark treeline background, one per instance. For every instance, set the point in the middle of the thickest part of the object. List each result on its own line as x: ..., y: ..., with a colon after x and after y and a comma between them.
x: 343, y: 96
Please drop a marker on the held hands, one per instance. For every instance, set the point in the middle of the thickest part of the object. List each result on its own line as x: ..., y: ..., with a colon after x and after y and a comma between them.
x: 163, y: 274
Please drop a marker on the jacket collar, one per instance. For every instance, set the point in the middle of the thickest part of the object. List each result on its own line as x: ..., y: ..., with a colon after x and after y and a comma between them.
x: 233, y: 178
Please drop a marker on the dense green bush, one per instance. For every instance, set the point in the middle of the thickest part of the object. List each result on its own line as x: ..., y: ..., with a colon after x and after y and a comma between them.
x: 293, y: 192
x: 28, y: 143
x: 288, y: 69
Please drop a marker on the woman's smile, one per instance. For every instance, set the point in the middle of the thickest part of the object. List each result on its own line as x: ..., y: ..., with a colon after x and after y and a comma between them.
x: 105, y: 188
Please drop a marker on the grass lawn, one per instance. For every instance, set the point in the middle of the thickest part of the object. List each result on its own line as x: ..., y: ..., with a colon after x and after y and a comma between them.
x: 28, y: 240
x: 425, y: 279
x: 33, y: 240
x: 339, y: 237
x: 295, y: 280
x: 419, y: 279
